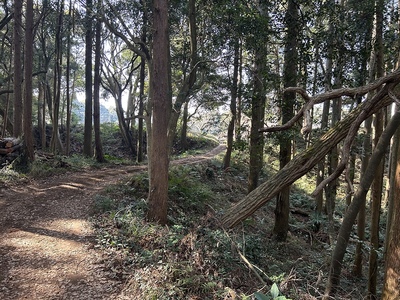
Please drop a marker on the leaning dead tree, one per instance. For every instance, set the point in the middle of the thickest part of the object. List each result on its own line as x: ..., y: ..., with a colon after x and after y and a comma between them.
x: 301, y: 164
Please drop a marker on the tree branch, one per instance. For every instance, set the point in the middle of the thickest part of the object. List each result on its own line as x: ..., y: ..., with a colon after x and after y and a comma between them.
x: 306, y: 160
x: 311, y: 101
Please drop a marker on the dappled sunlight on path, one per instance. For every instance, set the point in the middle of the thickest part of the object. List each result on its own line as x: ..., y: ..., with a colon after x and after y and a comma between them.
x: 46, y: 241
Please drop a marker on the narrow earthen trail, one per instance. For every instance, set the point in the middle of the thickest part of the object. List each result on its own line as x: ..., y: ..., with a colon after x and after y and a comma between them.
x: 46, y: 241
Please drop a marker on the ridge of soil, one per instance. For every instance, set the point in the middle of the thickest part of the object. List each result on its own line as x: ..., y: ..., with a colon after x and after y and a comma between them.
x: 46, y: 240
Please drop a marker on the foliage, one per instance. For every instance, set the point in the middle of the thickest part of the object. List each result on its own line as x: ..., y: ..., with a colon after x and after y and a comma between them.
x: 274, y: 294
x: 192, y: 256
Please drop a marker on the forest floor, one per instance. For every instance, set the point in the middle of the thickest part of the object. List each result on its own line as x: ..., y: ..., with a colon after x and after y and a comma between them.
x: 47, y: 241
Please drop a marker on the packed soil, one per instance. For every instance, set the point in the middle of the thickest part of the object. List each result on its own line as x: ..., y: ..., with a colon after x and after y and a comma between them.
x: 46, y: 239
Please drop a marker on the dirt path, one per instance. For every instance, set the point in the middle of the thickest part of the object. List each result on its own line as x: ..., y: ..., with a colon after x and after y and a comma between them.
x: 46, y: 241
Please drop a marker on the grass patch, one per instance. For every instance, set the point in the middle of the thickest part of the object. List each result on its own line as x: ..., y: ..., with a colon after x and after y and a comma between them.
x: 191, y: 257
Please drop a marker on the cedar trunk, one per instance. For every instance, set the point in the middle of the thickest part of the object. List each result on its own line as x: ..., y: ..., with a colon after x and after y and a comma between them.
x: 161, y: 97
x: 87, y: 143
x: 392, y: 261
x: 290, y: 80
x: 28, y: 66
x: 96, y: 93
x: 17, y: 45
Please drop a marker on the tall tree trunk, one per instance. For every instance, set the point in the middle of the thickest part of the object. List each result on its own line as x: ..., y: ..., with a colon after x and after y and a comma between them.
x: 358, y: 257
x: 68, y: 73
x: 333, y: 156
x: 289, y: 80
x: 184, y: 129
x: 234, y: 92
x: 44, y: 135
x: 377, y: 186
x: 258, y: 106
x: 141, y: 147
x: 56, y: 144
x: 160, y: 87
x: 359, y: 198
x: 392, y: 241
x: 40, y: 115
x: 87, y: 143
x: 17, y: 40
x: 366, y: 148
x: 319, y: 198
x: 238, y: 125
x: 141, y: 135
x: 96, y: 91
x: 257, y: 121
x: 28, y: 66
x: 325, y: 121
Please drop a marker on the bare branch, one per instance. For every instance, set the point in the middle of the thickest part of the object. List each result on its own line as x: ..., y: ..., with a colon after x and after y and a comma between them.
x: 132, y: 41
x: 311, y: 101
x: 348, y: 142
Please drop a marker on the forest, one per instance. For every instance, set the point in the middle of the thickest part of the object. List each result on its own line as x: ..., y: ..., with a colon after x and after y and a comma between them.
x: 303, y: 96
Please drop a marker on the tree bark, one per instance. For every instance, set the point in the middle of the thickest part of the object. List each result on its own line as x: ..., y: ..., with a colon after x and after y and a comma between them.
x: 17, y: 41
x: 234, y: 93
x: 289, y: 80
x: 184, y: 129
x: 161, y: 97
x: 96, y: 92
x: 366, y: 154
x: 67, y: 79
x: 257, y: 121
x: 141, y: 148
x: 87, y: 143
x: 55, y: 143
x: 28, y: 67
x: 305, y: 161
x: 377, y: 186
x: 392, y: 241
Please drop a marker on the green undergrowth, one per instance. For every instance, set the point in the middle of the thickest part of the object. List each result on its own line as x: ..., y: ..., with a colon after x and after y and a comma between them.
x: 190, y: 257
x: 193, y: 257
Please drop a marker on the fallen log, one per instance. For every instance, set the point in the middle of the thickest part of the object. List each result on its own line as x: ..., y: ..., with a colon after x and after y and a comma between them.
x: 9, y: 142
x: 305, y: 161
x: 4, y: 151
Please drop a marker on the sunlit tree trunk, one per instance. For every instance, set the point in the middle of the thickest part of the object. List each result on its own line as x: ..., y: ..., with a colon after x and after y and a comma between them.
x: 160, y: 89
x: 391, y: 289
